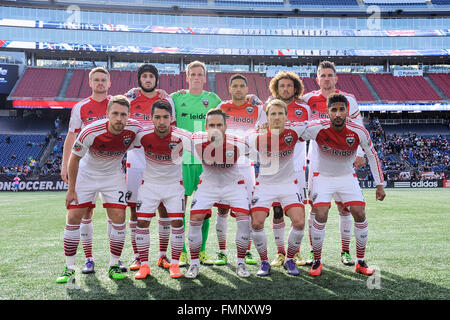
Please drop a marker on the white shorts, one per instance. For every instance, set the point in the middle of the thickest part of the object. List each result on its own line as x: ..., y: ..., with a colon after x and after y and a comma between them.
x: 232, y: 195
x: 112, y: 190
x: 151, y: 194
x: 311, y: 175
x: 345, y: 188
x: 248, y: 172
x: 286, y: 195
x: 134, y: 181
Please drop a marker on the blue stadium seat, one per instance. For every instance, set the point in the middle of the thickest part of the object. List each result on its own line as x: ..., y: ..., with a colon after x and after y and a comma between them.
x: 325, y: 2
x: 18, y: 147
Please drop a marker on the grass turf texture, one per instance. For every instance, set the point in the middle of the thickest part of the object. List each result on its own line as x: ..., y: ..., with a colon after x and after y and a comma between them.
x: 408, y: 245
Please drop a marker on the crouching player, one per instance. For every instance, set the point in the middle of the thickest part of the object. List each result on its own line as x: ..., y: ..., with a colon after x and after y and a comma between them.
x: 95, y: 167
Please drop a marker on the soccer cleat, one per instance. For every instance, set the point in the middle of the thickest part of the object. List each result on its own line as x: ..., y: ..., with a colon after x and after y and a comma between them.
x: 249, y: 258
x: 316, y: 268
x: 264, y: 269
x: 184, y: 260
x: 192, y: 272
x: 163, y: 262
x: 115, y: 273
x: 204, y: 259
x: 88, y: 267
x: 310, y: 261
x: 299, y: 259
x: 174, y: 271
x: 361, y: 267
x: 291, y: 268
x: 346, y: 258
x: 144, y: 272
x: 278, y: 261
x: 242, y: 271
x: 65, y: 275
x: 136, y: 264
x: 221, y: 260
x: 122, y: 267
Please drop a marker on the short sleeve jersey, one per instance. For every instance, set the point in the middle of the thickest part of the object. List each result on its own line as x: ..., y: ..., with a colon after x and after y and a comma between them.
x: 85, y: 112
x: 102, y: 151
x: 164, y: 155
x: 190, y: 111
x: 141, y: 110
x: 299, y: 112
x: 219, y: 163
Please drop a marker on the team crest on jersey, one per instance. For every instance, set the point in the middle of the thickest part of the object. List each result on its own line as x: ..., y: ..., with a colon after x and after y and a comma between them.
x: 249, y: 110
x: 350, y: 140
x: 77, y: 147
x: 126, y: 141
x: 172, y: 145
x: 288, y: 139
x: 298, y: 113
x: 205, y: 102
x: 229, y: 154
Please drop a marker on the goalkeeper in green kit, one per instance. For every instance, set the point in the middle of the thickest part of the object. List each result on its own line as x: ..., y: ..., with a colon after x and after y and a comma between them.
x: 190, y: 109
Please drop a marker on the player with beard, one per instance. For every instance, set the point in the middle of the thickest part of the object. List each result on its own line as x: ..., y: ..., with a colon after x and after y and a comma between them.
x: 141, y: 99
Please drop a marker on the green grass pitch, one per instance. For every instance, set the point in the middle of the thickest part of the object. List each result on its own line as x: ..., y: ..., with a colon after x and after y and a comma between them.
x: 409, y: 246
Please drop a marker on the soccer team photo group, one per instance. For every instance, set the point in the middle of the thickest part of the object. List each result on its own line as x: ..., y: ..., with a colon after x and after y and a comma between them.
x: 226, y: 184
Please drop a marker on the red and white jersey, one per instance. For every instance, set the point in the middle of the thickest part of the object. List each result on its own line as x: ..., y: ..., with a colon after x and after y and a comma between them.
x: 141, y: 110
x: 318, y: 105
x: 102, y: 151
x: 276, y: 153
x: 299, y: 112
x: 164, y: 155
x: 219, y: 163
x: 242, y: 119
x: 85, y: 112
x: 337, y: 150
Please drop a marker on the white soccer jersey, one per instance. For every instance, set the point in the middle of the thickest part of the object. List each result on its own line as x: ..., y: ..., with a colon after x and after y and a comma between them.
x: 164, y: 155
x: 276, y: 153
x: 337, y: 150
x: 101, y: 151
x: 141, y: 110
x: 85, y: 112
x: 299, y: 112
x: 318, y: 105
x: 219, y: 163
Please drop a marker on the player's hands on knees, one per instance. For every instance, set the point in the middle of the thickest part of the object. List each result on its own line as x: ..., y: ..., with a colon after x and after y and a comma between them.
x: 359, y: 162
x: 71, y: 196
x: 380, y: 194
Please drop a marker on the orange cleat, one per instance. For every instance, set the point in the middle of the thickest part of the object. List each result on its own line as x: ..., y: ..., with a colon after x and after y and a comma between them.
x: 163, y: 262
x: 316, y: 269
x: 136, y: 264
x: 144, y: 272
x: 175, y: 271
x: 361, y: 267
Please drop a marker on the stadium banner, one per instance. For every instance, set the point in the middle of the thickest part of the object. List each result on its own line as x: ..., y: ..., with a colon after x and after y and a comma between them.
x: 53, y: 104
x: 42, y: 183
x: 63, y: 46
x: 9, y: 73
x: 367, y: 184
x: 407, y: 73
x: 419, y: 184
x: 41, y: 24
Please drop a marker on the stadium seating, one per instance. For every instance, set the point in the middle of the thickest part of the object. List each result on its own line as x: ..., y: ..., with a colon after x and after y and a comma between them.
x: 442, y: 80
x: 402, y: 89
x: 441, y: 2
x: 250, y: 2
x: 325, y: 2
x: 353, y: 83
x: 40, y: 83
x: 19, y: 148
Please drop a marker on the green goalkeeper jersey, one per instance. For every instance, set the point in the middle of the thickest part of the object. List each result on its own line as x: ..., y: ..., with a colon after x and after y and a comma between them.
x: 190, y: 111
